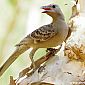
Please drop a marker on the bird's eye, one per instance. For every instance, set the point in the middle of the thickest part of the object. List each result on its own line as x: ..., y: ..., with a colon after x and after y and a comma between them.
x: 53, y: 6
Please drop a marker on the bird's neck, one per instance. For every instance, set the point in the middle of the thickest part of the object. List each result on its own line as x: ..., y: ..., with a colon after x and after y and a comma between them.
x: 57, y: 18
x: 56, y: 21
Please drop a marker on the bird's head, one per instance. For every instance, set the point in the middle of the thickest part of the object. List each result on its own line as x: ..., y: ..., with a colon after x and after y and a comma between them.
x: 52, y: 10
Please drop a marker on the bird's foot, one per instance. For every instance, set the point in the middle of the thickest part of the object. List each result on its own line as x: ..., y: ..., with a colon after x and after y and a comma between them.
x: 49, y: 49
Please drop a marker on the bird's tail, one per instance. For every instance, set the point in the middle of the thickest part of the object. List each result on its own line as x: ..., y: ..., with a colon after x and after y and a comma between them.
x: 12, y: 58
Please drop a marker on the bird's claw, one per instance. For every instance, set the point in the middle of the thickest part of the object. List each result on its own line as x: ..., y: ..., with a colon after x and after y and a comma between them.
x: 49, y: 49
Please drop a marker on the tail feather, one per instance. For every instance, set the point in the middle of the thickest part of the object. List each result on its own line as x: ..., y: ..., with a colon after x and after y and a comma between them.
x: 12, y: 58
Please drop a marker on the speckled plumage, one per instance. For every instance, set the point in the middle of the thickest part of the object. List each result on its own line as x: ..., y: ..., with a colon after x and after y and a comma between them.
x: 43, y: 33
x: 39, y: 35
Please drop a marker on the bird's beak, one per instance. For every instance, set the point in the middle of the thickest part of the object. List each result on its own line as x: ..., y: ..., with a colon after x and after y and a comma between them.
x: 46, y: 9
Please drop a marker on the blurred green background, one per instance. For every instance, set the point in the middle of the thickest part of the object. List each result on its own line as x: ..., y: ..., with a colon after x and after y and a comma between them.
x: 17, y: 19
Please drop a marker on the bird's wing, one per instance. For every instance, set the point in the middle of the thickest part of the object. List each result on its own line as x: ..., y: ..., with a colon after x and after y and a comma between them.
x: 43, y: 33
x: 39, y: 35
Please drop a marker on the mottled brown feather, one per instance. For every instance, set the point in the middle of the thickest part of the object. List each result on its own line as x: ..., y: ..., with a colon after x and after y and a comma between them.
x: 43, y: 33
x: 39, y: 35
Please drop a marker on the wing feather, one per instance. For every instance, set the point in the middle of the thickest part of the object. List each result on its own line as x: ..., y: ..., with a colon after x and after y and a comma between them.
x: 43, y: 33
x: 39, y: 35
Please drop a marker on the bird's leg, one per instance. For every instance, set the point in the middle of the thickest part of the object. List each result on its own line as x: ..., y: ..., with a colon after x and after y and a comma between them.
x: 31, y: 57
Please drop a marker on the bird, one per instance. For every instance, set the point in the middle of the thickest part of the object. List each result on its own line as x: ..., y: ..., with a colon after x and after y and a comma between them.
x: 46, y: 36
